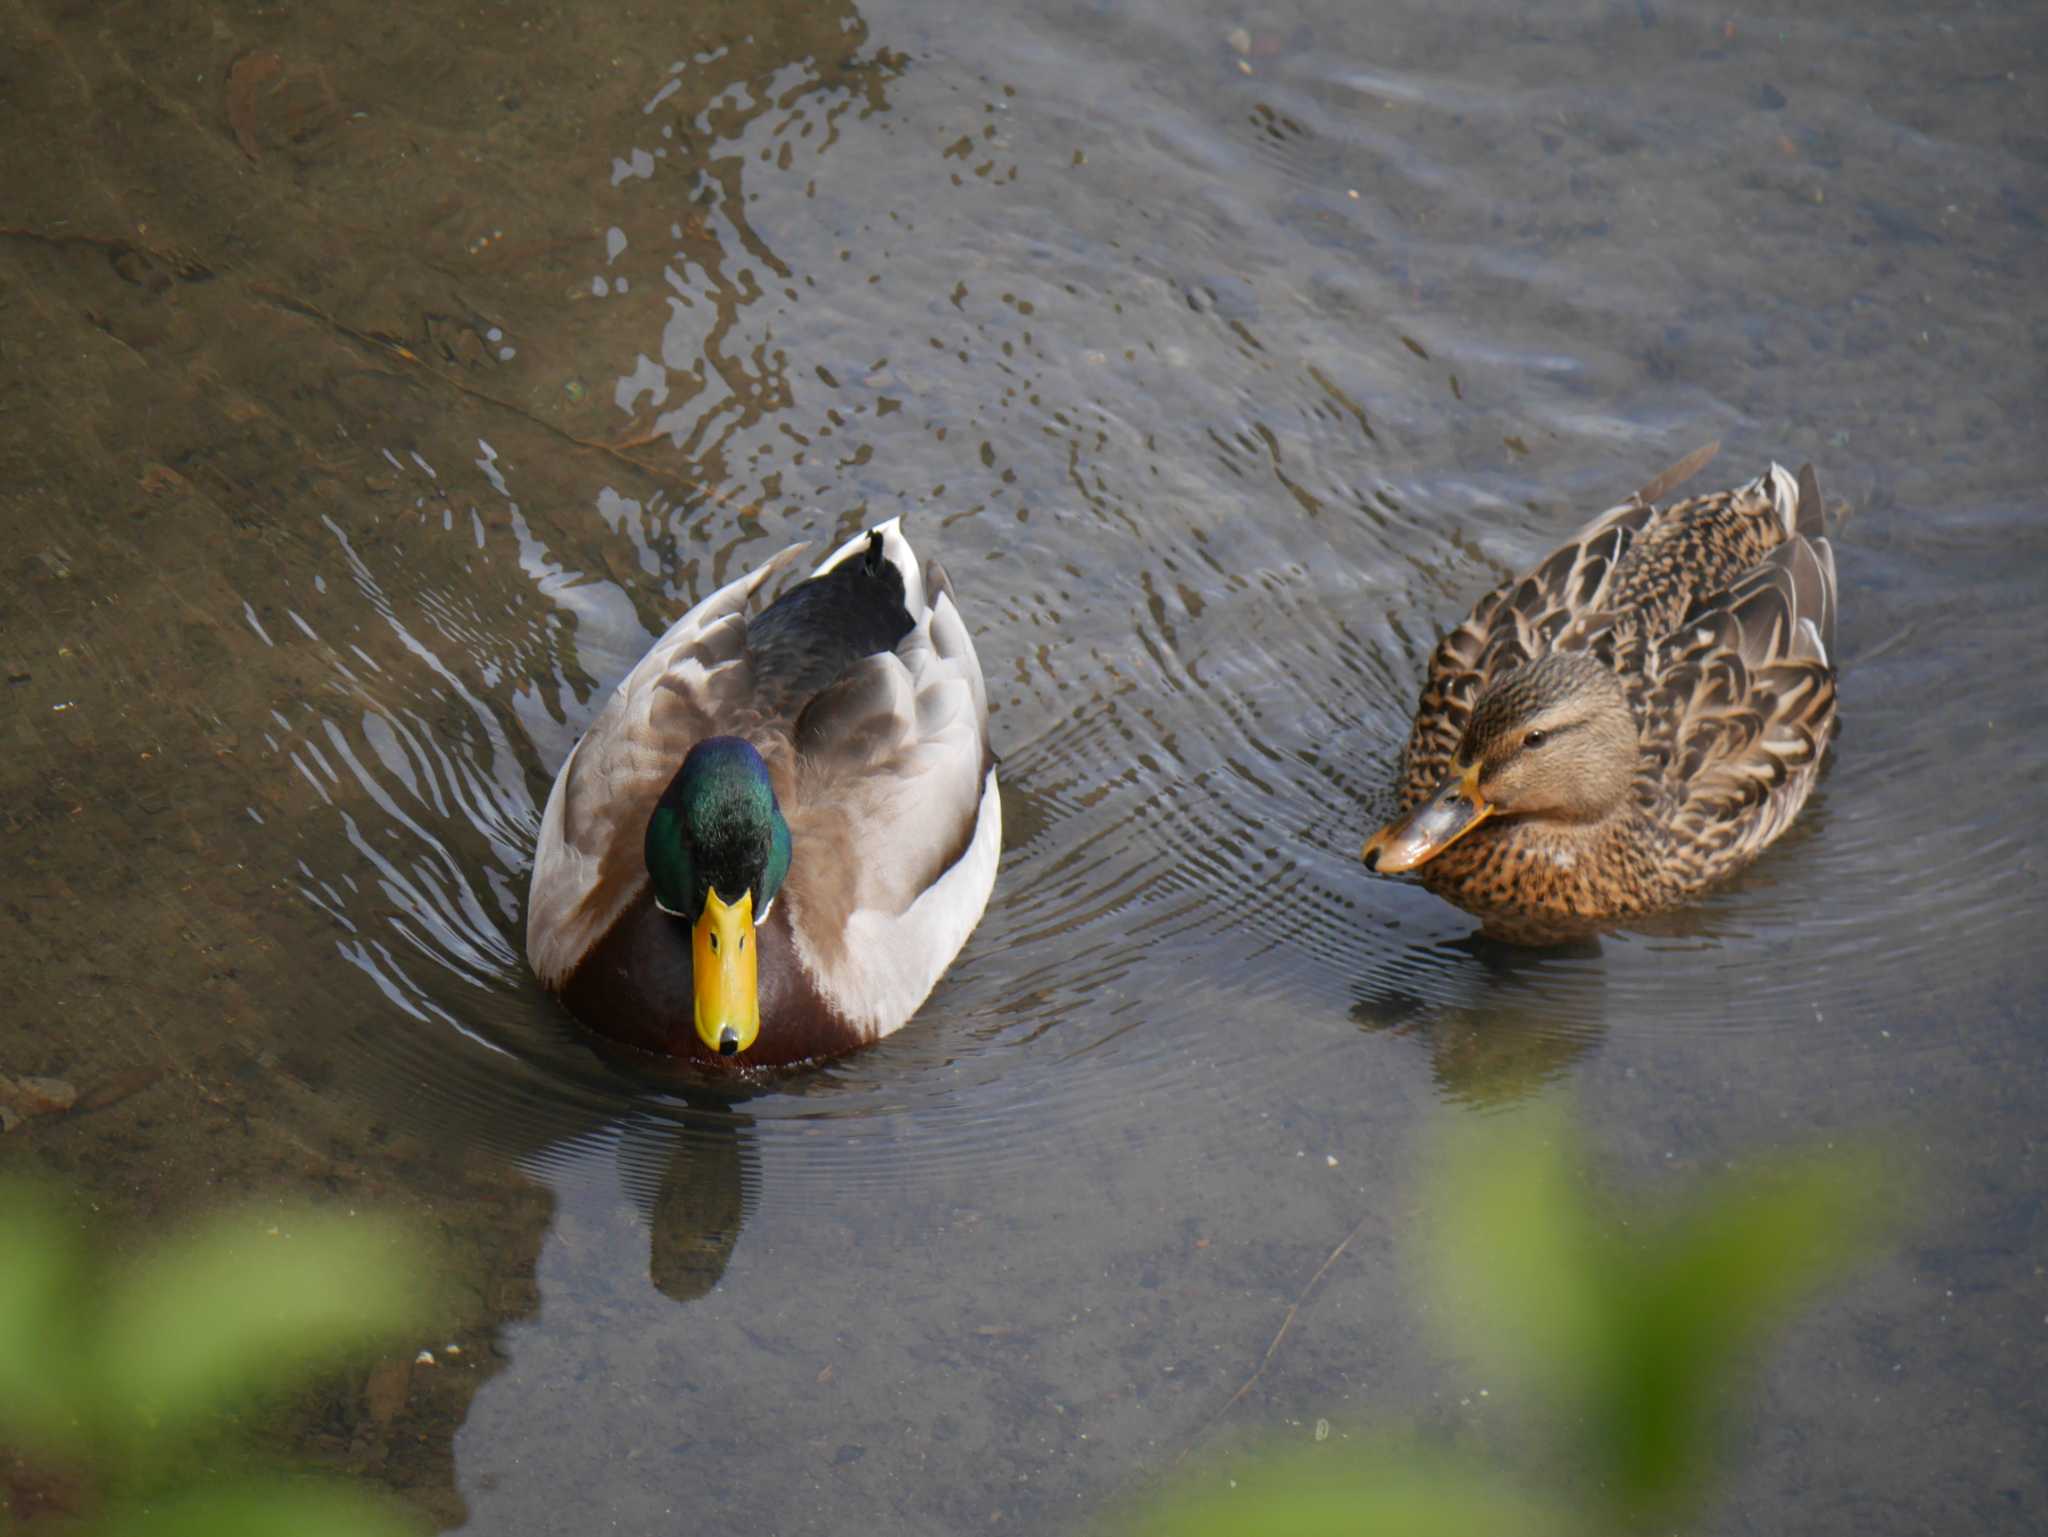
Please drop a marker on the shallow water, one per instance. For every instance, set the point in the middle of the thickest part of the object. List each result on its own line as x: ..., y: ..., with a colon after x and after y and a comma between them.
x: 378, y: 386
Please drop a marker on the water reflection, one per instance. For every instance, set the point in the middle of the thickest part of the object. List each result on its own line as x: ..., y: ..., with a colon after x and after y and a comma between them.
x: 1499, y: 1021
x: 695, y: 1206
x: 682, y: 1182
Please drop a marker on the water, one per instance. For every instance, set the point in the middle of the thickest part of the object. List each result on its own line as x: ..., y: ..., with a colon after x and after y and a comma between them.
x: 346, y: 470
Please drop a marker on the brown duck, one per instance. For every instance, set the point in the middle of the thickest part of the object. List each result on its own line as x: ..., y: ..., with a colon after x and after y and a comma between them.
x: 1636, y: 718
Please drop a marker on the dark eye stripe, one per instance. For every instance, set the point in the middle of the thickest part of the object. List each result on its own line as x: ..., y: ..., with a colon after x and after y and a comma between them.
x: 1550, y: 734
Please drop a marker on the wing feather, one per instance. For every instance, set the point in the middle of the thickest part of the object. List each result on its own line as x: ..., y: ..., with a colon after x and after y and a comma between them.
x: 892, y: 756
x: 1746, y: 696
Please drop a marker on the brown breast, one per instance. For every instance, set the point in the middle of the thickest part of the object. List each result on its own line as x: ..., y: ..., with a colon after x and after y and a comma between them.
x: 635, y: 988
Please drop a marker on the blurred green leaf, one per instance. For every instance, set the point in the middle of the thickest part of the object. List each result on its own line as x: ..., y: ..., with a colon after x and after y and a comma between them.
x: 1630, y: 1332
x: 1513, y: 1249
x: 1639, y: 1326
x: 274, y: 1508
x: 1376, y: 1493
x: 43, y: 1290
x: 1703, y: 1291
x: 247, y: 1304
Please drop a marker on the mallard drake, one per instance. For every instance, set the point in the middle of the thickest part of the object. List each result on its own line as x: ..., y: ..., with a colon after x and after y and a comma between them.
x: 1634, y: 719
x: 774, y: 839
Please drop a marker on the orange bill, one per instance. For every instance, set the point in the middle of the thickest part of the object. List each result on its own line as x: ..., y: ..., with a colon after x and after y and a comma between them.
x: 1452, y: 810
x: 722, y: 964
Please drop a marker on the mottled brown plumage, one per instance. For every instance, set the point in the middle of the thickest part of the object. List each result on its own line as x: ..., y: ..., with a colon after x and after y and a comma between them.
x: 1636, y: 718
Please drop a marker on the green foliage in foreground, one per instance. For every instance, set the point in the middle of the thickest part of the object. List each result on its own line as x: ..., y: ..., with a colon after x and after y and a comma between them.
x: 118, y: 1385
x: 1629, y: 1325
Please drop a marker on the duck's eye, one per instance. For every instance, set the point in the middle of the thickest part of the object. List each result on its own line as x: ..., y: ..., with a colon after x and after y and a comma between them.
x: 1535, y: 739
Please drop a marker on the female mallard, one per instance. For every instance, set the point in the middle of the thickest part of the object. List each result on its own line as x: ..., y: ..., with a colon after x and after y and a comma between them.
x: 1635, y: 718
x: 777, y: 835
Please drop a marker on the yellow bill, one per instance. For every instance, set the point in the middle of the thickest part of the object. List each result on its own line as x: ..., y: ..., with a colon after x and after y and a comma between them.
x: 722, y: 966
x: 1452, y: 810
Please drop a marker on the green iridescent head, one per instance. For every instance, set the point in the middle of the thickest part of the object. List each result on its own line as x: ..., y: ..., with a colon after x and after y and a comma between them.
x: 717, y: 851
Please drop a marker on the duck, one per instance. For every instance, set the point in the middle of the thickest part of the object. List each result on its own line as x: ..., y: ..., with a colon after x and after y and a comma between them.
x: 1630, y: 722
x: 780, y: 830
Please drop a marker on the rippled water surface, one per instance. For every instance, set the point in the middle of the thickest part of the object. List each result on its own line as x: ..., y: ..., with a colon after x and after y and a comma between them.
x: 378, y: 384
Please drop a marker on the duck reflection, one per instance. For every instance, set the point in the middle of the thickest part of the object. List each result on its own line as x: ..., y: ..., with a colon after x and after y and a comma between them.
x: 1500, y: 1021
x: 689, y: 1180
